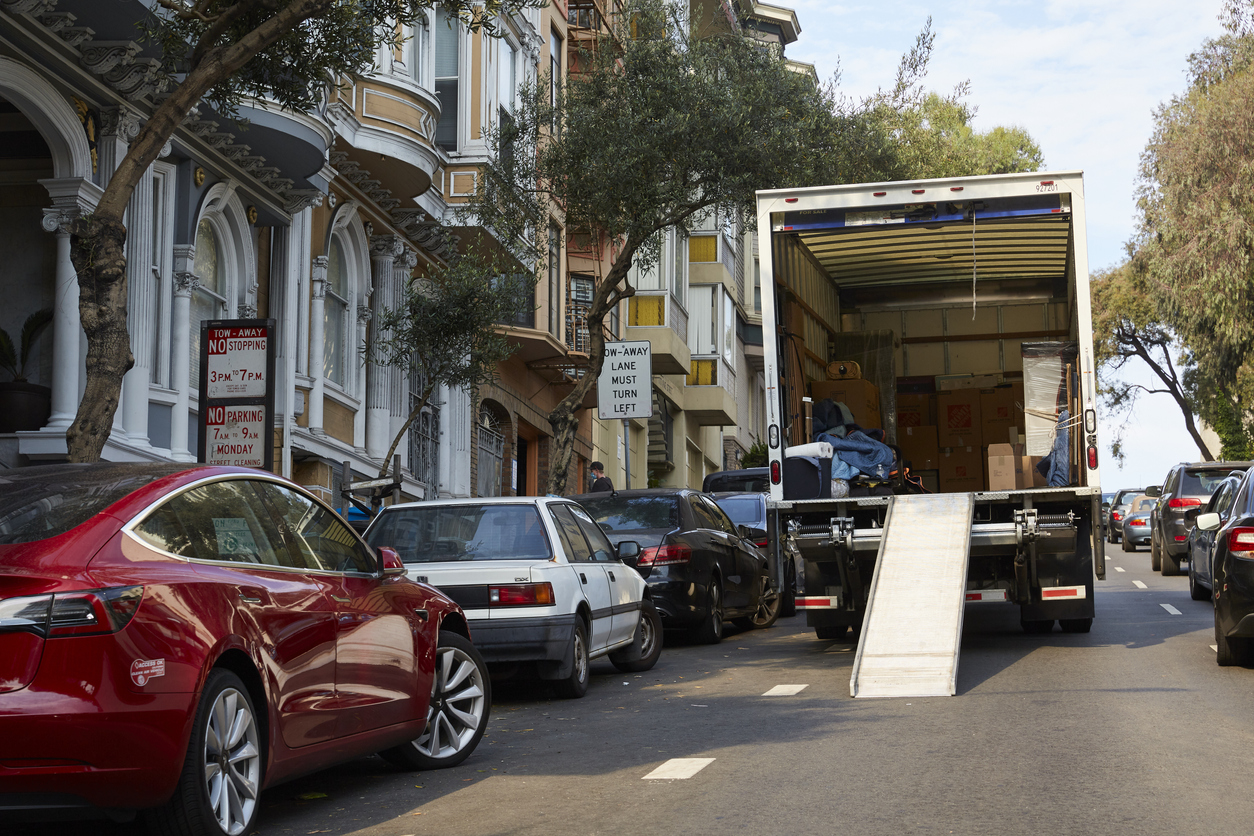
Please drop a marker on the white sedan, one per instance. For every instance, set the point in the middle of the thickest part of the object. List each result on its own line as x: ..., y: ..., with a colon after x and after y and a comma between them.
x: 538, y: 580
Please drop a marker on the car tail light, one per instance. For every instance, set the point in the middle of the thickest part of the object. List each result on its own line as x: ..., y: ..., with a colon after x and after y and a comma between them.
x: 522, y: 595
x: 87, y: 612
x: 1116, y: 516
x: 667, y: 555
x: 1241, y: 543
x: 1183, y: 502
x: 761, y: 544
x: 1138, y: 522
x: 1180, y: 538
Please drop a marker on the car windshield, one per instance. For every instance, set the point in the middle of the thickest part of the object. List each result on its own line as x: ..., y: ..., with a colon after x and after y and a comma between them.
x: 1201, y: 483
x: 42, y: 502
x: 438, y: 533
x: 738, y: 481
x: 743, y: 510
x: 637, y: 513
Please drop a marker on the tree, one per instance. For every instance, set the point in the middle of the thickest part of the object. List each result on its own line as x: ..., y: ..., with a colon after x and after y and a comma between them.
x: 1195, y: 236
x: 1127, y: 327
x: 444, y: 327
x: 219, y: 51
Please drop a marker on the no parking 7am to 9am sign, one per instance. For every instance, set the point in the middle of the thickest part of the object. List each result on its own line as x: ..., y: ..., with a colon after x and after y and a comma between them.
x: 237, y: 392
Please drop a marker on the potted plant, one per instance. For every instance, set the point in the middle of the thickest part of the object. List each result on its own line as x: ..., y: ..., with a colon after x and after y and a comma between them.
x: 23, y: 405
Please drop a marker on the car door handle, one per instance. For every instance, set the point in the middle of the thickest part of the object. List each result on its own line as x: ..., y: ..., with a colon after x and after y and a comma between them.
x: 248, y: 599
x: 612, y: 577
x: 583, y: 577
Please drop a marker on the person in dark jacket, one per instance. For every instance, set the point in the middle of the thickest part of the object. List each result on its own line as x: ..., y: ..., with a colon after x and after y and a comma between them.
x: 600, y: 482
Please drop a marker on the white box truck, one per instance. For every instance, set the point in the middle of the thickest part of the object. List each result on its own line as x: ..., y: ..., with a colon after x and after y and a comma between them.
x: 911, y: 304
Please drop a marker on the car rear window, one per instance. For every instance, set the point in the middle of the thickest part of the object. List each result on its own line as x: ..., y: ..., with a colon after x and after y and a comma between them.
x: 637, y: 513
x: 743, y: 510
x: 1200, y: 483
x: 440, y: 533
x: 41, y: 502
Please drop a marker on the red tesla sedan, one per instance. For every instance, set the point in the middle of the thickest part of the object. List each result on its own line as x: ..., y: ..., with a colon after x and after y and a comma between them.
x: 175, y: 638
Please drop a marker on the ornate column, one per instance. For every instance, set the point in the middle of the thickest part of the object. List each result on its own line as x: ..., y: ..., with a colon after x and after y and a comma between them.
x: 398, y: 407
x: 66, y: 327
x: 180, y: 351
x: 384, y: 250
x: 359, y: 425
x: 317, y: 338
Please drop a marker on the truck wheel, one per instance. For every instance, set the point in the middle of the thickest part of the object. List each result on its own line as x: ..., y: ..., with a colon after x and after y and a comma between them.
x: 710, y: 630
x: 1171, y: 565
x: 649, y: 640
x: 1156, y: 560
x: 1037, y: 627
x: 1075, y: 625
x: 828, y: 632
x: 576, y: 685
x: 461, y: 699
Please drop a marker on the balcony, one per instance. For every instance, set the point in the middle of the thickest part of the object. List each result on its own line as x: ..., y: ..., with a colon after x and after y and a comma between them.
x: 657, y: 317
x: 710, y: 394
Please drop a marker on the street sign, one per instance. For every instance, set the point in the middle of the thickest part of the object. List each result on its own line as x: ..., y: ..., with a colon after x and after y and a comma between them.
x: 625, y: 386
x: 236, y: 421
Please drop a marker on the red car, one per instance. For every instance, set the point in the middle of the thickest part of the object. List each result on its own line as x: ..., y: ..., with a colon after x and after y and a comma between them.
x: 174, y: 639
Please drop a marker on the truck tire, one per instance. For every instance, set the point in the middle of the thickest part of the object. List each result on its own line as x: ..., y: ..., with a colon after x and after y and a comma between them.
x: 1156, y: 561
x: 828, y: 632
x: 1075, y: 625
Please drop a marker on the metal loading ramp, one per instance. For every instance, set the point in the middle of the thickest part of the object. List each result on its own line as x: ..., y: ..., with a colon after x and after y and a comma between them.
x: 913, y: 622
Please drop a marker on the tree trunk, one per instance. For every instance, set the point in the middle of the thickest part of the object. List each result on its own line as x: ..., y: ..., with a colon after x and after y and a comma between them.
x: 564, y: 418
x: 396, y: 441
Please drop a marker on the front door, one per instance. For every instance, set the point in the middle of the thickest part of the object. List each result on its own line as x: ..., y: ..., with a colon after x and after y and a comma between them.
x: 593, y: 578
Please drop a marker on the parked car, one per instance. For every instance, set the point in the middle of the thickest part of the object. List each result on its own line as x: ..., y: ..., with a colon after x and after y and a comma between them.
x: 1186, y: 486
x: 1114, y: 514
x: 1232, y: 575
x: 177, y: 638
x: 1135, y: 524
x: 538, y: 580
x: 755, y: 479
x: 749, y: 509
x: 1201, y: 542
x: 703, y: 568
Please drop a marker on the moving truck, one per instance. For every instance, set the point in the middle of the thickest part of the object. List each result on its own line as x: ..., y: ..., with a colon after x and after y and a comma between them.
x: 950, y: 320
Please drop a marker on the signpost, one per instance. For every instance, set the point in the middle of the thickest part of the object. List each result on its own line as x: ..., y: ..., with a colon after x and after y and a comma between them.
x: 236, y: 422
x: 625, y: 388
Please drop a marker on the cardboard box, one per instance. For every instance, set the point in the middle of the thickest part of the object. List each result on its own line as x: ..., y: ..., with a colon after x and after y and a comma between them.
x: 998, y: 413
x: 915, y: 410
x: 861, y: 396
x: 919, y: 447
x: 958, y: 418
x: 1004, y: 468
x: 962, y: 469
x: 950, y: 382
x: 1032, y: 477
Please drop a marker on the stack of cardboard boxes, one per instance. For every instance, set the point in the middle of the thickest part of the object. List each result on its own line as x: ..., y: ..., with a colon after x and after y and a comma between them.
x: 964, y: 432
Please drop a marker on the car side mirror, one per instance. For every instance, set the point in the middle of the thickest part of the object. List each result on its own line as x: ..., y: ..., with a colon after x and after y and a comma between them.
x: 628, y: 552
x: 1154, y: 490
x: 1208, y: 522
x: 391, y: 562
x: 745, y: 532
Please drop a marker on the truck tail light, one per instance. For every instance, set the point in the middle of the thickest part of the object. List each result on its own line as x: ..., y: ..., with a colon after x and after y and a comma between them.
x: 1092, y: 458
x: 775, y: 472
x: 522, y: 595
x: 1183, y: 502
x: 1241, y: 543
x: 667, y: 555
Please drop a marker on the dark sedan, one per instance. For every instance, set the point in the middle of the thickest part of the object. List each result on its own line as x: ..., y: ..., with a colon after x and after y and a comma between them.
x: 748, y: 508
x: 1232, y: 572
x: 1201, y: 542
x: 702, y: 568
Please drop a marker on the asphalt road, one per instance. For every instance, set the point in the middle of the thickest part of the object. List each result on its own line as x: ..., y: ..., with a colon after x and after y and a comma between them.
x: 1131, y: 728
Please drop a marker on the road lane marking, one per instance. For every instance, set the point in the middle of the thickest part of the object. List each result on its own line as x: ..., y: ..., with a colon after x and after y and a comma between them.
x: 677, y: 768
x: 785, y: 690
x: 1120, y: 569
x: 1215, y: 647
x: 1139, y: 585
x: 1171, y: 609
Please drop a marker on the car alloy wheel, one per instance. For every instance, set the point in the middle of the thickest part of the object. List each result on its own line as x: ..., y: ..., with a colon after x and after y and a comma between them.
x: 769, y: 602
x: 461, y: 699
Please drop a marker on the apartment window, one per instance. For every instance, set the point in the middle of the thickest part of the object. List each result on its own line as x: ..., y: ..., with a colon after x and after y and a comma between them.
x: 728, y: 323
x: 757, y: 286
x: 679, y: 278
x: 424, y: 434
x: 555, y: 70
x: 209, y: 298
x: 447, y: 54
x: 555, y: 279
x: 703, y: 320
x: 414, y: 49
x: 335, y: 312
x: 702, y: 248
x: 581, y: 291
x: 162, y: 234
x: 507, y: 80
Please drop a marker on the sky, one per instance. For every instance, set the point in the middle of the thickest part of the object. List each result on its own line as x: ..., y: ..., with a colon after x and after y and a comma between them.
x: 1083, y: 77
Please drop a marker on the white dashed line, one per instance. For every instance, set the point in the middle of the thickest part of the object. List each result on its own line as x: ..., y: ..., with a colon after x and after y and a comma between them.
x: 1215, y: 647
x: 1171, y: 609
x: 1120, y: 569
x: 677, y: 768
x: 1139, y: 585
x: 785, y: 690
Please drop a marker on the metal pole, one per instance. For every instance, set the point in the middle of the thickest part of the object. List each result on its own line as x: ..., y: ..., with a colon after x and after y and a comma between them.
x: 626, y: 454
